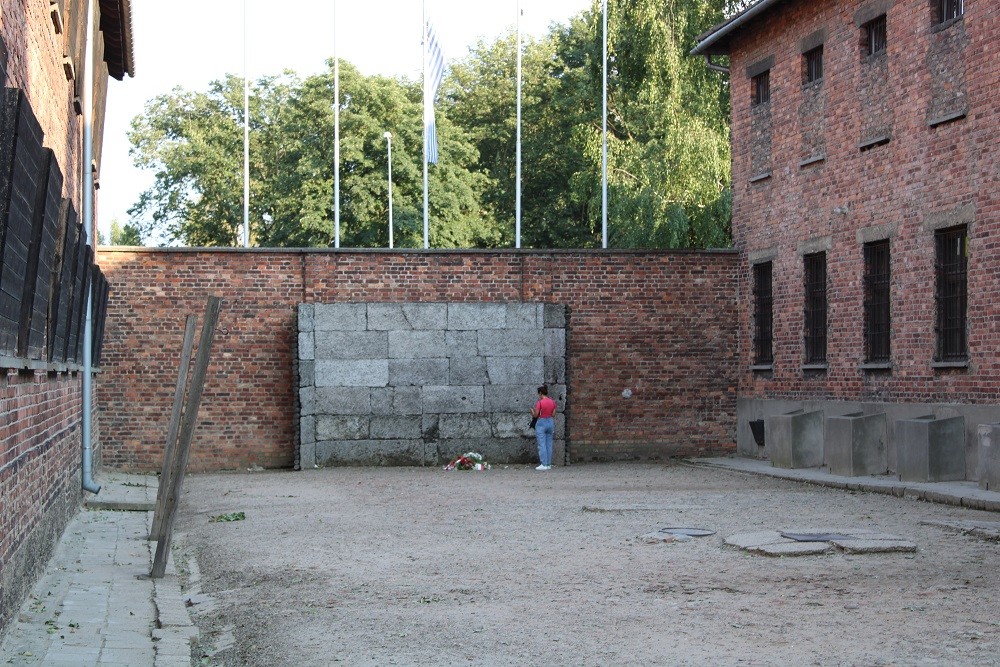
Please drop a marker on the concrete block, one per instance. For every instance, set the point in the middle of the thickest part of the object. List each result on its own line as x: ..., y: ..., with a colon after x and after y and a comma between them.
x: 429, y: 427
x: 418, y: 372
x: 306, y: 317
x: 511, y: 343
x: 461, y: 344
x: 452, y: 399
x: 464, y: 426
x: 307, y: 348
x: 555, y: 370
x: 555, y: 343
x: 406, y: 316
x: 372, y: 453
x: 510, y: 425
x: 396, y: 427
x: 510, y: 398
x: 467, y: 371
x: 341, y: 427
x: 524, y: 316
x: 495, y: 450
x: 341, y: 316
x: 554, y: 315
x: 929, y: 449
x: 352, y: 373
x: 307, y: 401
x: 307, y: 373
x: 988, y: 463
x: 381, y: 398
x: 307, y: 430
x: 475, y: 316
x: 515, y: 370
x: 795, y: 439
x: 855, y: 444
x: 352, y: 345
x: 343, y: 401
x: 417, y: 344
x: 407, y: 401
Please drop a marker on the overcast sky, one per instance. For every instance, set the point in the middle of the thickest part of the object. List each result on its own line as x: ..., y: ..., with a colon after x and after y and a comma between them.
x: 189, y: 43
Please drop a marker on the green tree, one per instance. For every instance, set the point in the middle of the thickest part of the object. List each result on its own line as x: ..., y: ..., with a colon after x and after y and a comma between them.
x: 126, y: 235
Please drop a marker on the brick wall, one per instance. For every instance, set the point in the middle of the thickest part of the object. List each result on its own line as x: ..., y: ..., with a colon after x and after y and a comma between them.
x: 658, y: 324
x: 39, y: 475
x: 931, y: 173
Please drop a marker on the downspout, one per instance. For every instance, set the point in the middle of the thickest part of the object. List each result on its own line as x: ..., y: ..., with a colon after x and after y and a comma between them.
x: 715, y: 68
x: 87, y: 100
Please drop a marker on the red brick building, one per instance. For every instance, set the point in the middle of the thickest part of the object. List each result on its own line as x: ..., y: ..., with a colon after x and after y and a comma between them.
x: 866, y: 186
x: 47, y: 266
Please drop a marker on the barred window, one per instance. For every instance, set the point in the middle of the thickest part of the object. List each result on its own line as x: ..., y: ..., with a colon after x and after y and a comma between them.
x: 875, y: 36
x: 813, y: 64
x: 951, y: 294
x: 950, y: 9
x: 761, y: 88
x: 763, y: 332
x: 815, y: 308
x: 877, y: 304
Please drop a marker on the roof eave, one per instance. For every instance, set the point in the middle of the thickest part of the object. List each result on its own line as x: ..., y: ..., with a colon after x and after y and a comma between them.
x: 716, y: 42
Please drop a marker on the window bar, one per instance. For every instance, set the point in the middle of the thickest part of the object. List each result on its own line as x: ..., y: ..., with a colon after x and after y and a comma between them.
x: 952, y: 295
x: 815, y: 311
x: 877, y: 302
x: 763, y: 314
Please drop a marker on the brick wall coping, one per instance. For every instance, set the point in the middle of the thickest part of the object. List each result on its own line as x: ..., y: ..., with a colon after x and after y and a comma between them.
x: 419, y: 251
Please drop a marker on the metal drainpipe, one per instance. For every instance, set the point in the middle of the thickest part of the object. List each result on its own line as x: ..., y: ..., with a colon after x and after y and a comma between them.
x: 87, y: 101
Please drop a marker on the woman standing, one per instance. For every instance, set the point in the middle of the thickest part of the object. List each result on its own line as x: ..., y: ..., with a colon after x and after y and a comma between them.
x: 545, y: 412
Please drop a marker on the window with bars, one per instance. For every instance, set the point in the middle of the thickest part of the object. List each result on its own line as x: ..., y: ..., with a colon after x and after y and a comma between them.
x: 815, y: 308
x: 763, y: 303
x: 761, y: 88
x: 950, y: 9
x: 951, y: 293
x: 813, y: 61
x: 877, y: 301
x: 875, y: 36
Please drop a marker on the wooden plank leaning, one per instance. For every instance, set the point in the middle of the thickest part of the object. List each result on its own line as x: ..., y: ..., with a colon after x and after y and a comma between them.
x: 188, y: 423
x: 170, y: 448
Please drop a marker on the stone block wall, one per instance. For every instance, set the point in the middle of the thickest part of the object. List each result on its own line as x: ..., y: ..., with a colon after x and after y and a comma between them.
x: 421, y: 383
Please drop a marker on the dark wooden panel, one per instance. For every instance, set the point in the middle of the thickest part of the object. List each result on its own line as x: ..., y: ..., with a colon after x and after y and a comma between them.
x: 62, y: 276
x: 85, y: 259
x: 101, y: 293
x: 41, y: 256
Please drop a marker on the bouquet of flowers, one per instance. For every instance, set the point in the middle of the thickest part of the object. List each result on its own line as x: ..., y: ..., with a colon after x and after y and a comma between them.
x: 469, y: 461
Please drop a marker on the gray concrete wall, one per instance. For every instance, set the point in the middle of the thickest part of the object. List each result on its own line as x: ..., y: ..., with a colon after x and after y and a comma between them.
x: 750, y: 409
x: 421, y: 383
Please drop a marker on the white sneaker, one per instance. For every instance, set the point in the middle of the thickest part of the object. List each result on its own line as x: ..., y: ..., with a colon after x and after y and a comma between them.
x: 542, y: 467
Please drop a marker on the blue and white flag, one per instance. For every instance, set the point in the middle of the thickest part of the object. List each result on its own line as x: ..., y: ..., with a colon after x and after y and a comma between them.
x: 433, y: 75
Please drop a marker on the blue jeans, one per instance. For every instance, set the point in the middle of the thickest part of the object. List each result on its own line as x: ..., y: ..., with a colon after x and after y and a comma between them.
x: 544, y: 429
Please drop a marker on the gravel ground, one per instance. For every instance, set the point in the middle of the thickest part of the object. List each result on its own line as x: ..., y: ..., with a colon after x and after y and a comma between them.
x: 417, y: 566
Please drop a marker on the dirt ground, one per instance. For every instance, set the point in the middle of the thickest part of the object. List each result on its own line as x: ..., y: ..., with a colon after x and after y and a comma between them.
x: 407, y: 566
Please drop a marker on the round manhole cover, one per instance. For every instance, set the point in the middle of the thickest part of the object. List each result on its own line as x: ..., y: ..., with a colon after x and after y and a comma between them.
x: 691, y: 532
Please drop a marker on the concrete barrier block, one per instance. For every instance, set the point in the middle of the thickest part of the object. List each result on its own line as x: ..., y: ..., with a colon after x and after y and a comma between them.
x: 988, y: 463
x: 352, y: 345
x: 418, y: 372
x: 467, y: 371
x: 307, y: 430
x: 475, y: 316
x: 343, y: 400
x: 417, y: 344
x: 307, y: 349
x: 555, y: 370
x: 555, y: 343
x: 929, y: 449
x: 406, y: 316
x: 855, y: 444
x: 511, y: 343
x: 306, y: 317
x: 352, y: 373
x: 554, y: 315
x: 341, y: 427
x: 524, y: 316
x: 430, y: 427
x: 510, y: 424
x: 340, y: 316
x: 515, y: 370
x: 795, y: 439
x: 510, y: 398
x: 381, y: 398
x: 371, y: 453
x: 307, y: 373
x: 395, y: 427
x: 452, y: 400
x: 407, y: 401
x: 461, y: 344
x: 307, y: 401
x: 464, y: 426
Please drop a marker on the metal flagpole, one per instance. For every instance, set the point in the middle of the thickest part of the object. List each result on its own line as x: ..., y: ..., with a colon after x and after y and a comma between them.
x: 517, y: 188
x: 604, y: 137
x: 246, y: 137
x: 423, y: 43
x: 388, y: 143
x: 336, y: 134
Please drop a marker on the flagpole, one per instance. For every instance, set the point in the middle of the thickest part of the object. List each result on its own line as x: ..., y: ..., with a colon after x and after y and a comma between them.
x: 517, y: 188
x: 604, y: 136
x: 246, y: 137
x: 423, y: 43
x: 336, y: 134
